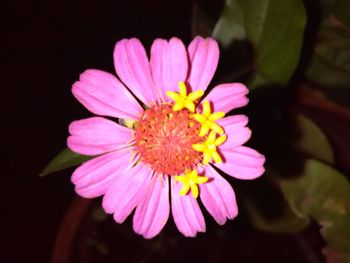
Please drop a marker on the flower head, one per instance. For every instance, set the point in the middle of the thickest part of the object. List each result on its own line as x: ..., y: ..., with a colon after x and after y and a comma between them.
x: 173, y: 140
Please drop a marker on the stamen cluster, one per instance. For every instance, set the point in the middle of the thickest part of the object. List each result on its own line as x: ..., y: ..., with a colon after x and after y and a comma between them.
x: 164, y: 139
x: 172, y: 138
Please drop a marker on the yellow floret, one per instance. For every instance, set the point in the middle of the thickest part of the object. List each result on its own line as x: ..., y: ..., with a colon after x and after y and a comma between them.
x: 207, y: 120
x: 190, y: 180
x: 182, y: 100
x: 208, y: 148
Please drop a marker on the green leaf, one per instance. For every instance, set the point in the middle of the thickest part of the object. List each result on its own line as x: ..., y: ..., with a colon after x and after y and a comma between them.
x: 330, y: 63
x: 275, y: 29
x: 230, y: 25
x: 313, y: 141
x: 323, y: 193
x: 286, y: 223
x: 63, y: 160
x: 337, y: 233
x: 268, y: 209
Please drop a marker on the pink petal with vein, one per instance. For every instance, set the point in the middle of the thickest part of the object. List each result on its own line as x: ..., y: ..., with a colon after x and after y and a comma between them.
x: 204, y: 56
x: 169, y: 65
x: 235, y: 130
x: 153, y: 212
x: 236, y: 138
x: 242, y: 163
x: 133, y: 68
x: 126, y: 192
x: 103, y: 94
x: 186, y: 212
x: 97, y: 135
x: 218, y: 197
x: 229, y: 96
x: 94, y: 177
x: 230, y: 122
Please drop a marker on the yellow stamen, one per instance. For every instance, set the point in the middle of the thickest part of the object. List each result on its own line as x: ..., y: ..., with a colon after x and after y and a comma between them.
x: 207, y: 120
x: 208, y: 148
x: 190, y: 180
x: 182, y: 100
x: 127, y: 123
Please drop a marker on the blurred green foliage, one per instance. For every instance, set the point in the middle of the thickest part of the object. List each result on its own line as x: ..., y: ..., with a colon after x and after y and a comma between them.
x: 274, y: 28
x: 330, y: 64
x: 63, y: 160
x: 323, y: 193
x: 312, y: 141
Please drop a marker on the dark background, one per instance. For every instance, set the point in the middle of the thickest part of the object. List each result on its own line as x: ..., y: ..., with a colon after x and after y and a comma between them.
x: 47, y: 45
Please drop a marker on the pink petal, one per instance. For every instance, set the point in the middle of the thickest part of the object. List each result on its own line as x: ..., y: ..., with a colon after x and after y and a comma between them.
x: 218, y: 197
x: 204, y: 56
x: 186, y: 212
x: 126, y: 192
x: 97, y: 135
x: 236, y: 121
x: 132, y: 66
x: 229, y: 96
x: 153, y: 212
x: 235, y: 131
x: 103, y: 94
x: 169, y: 65
x: 94, y: 177
x: 242, y: 163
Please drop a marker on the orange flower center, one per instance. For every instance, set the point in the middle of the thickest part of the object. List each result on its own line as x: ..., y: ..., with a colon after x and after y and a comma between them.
x: 164, y: 139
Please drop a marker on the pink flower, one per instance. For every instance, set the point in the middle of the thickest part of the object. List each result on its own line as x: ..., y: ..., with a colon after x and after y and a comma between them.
x: 166, y: 152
